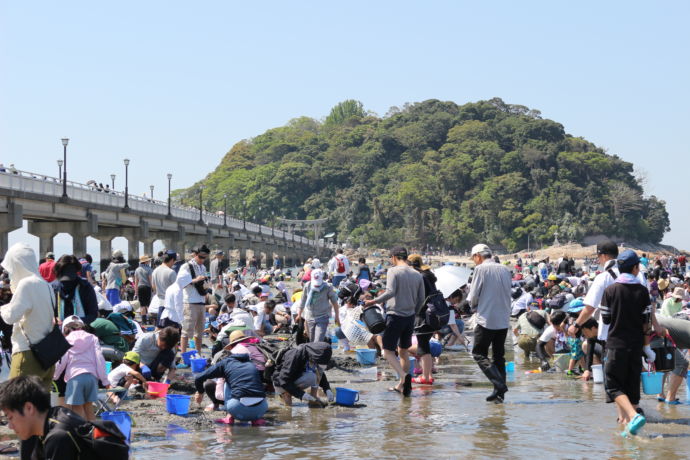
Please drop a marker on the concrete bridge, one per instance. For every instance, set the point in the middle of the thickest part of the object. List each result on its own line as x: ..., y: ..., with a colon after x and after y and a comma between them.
x: 86, y: 212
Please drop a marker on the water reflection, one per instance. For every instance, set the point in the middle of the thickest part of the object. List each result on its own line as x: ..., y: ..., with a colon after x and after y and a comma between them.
x: 545, y: 416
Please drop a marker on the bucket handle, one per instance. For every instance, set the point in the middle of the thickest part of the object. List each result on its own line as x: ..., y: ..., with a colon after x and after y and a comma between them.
x: 357, y: 397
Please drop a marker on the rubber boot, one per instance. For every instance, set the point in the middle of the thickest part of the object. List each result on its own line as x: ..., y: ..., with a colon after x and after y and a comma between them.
x: 498, y: 380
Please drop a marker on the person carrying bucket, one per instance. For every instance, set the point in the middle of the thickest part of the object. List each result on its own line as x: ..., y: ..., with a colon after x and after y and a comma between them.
x: 626, y: 310
x: 245, y: 397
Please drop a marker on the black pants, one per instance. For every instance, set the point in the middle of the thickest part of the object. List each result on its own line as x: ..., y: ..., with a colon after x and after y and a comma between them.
x: 210, y: 389
x: 494, y: 370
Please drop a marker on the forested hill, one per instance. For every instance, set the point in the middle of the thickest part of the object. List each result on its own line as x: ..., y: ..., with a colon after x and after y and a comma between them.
x: 435, y: 173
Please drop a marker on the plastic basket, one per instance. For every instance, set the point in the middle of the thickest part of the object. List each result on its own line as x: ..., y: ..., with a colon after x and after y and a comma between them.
x: 356, y: 332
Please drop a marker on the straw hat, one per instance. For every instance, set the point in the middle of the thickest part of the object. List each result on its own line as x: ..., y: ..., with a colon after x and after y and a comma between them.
x: 145, y: 258
x: 663, y: 284
x: 235, y: 338
x: 678, y: 293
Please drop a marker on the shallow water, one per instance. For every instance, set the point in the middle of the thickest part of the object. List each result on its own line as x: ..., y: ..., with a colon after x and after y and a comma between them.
x: 545, y: 416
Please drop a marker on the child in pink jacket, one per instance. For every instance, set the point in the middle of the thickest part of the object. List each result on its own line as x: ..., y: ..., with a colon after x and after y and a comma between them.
x: 84, y: 366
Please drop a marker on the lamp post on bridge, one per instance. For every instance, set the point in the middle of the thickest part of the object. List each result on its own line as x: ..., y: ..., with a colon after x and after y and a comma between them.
x: 126, y: 161
x: 201, y: 203
x: 151, y: 187
x: 273, y: 224
x: 225, y: 210
x: 60, y: 170
x: 65, y: 141
x: 244, y: 215
x: 169, y: 179
x: 112, y: 181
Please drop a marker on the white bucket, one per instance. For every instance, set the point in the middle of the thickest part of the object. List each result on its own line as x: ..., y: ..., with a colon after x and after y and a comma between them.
x: 597, y: 373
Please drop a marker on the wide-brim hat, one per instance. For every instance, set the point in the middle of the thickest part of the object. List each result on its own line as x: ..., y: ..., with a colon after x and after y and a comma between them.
x: 145, y: 258
x: 235, y: 338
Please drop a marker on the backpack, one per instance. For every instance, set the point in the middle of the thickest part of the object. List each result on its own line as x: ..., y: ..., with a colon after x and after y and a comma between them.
x: 536, y: 320
x: 437, y: 312
x: 98, y: 440
x: 340, y: 268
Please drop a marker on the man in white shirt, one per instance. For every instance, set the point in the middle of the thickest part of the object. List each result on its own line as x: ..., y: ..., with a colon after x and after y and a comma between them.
x: 173, y: 305
x: 607, y: 252
x: 339, y: 267
x: 194, y: 297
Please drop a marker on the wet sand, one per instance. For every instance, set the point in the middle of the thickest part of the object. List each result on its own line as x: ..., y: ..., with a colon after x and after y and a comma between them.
x: 544, y: 416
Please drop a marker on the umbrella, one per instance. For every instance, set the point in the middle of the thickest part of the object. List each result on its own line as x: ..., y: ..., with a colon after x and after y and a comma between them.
x: 449, y: 278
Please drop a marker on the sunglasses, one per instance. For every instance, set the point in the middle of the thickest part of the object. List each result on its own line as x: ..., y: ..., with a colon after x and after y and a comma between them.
x: 201, y: 257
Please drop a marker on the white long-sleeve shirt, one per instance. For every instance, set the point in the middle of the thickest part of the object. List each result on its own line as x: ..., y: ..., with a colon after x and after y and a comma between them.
x: 333, y: 265
x: 31, y: 308
x: 174, y: 297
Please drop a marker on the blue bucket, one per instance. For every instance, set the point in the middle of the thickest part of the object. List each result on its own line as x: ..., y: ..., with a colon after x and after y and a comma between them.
x: 346, y: 397
x: 366, y: 356
x: 108, y: 367
x: 436, y: 348
x: 178, y: 404
x: 198, y: 364
x: 186, y: 355
x: 413, y: 364
x: 510, y: 366
x: 334, y: 341
x: 123, y: 421
x: 651, y: 382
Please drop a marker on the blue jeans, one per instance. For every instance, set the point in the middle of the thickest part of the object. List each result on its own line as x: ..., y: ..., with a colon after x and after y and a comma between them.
x: 113, y: 296
x: 246, y: 413
x: 337, y: 279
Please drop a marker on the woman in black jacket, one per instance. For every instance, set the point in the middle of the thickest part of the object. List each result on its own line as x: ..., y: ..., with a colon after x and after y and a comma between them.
x: 75, y: 294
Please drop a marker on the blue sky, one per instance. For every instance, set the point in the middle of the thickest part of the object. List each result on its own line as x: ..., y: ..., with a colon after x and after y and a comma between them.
x: 173, y: 85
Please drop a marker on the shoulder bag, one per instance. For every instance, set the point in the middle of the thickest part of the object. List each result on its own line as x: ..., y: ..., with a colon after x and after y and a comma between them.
x: 53, y: 346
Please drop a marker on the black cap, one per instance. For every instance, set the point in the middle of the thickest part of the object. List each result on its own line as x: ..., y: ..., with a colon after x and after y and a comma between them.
x: 203, y: 249
x: 399, y: 252
x: 607, y: 247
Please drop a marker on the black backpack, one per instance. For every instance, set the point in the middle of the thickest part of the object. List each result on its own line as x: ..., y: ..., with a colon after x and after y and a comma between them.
x: 199, y: 285
x: 536, y: 320
x: 98, y: 440
x: 437, y: 312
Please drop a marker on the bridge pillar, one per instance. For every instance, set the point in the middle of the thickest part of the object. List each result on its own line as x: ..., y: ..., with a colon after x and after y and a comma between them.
x: 106, y: 251
x: 45, y: 237
x: 133, y: 252
x: 10, y: 221
x: 79, y: 245
x: 148, y: 246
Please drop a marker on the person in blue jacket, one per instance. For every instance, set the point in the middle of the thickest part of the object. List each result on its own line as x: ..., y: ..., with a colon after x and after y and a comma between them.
x: 245, y: 397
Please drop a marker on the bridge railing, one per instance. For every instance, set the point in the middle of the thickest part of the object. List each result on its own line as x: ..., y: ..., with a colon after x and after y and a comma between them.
x: 28, y: 182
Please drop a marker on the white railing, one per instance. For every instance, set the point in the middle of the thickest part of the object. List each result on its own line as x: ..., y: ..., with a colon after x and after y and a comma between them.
x: 28, y: 182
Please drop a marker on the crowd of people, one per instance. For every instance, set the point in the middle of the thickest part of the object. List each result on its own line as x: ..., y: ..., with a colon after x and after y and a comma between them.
x: 143, y: 320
